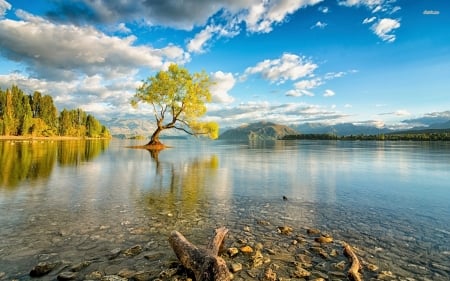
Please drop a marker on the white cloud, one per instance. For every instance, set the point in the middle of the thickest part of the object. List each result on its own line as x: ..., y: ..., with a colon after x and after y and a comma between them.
x: 288, y: 67
x: 320, y: 25
x: 302, y: 88
x: 262, y: 16
x: 223, y: 83
x: 402, y: 112
x: 431, y: 12
x: 384, y: 27
x: 196, y: 45
x: 369, y: 20
x: 286, y: 113
x: 329, y: 93
x: 4, y: 6
x: 62, y: 51
x: 324, y: 10
x: 123, y: 28
x: 385, y: 6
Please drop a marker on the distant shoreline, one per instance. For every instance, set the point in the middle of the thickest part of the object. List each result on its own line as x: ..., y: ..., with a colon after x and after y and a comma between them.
x: 53, y: 138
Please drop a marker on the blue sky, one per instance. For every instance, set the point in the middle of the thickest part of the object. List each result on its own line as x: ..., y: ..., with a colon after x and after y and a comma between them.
x: 376, y: 62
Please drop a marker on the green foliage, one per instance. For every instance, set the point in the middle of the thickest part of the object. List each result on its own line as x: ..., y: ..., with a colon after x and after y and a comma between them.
x: 36, y: 115
x: 178, y: 101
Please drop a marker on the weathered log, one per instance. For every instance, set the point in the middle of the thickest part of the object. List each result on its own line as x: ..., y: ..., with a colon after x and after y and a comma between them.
x: 204, y: 263
x: 353, y: 272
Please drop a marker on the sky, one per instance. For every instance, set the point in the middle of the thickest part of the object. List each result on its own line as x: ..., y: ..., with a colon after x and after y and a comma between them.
x: 369, y: 62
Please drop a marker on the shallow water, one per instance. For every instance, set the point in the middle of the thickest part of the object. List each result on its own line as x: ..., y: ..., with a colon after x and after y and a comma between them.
x: 74, y: 201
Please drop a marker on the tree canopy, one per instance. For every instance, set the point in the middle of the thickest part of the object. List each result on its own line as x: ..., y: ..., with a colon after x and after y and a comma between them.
x: 178, y: 100
x: 36, y: 115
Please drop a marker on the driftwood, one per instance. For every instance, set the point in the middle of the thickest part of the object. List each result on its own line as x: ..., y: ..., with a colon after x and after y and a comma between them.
x: 204, y: 263
x: 353, y: 272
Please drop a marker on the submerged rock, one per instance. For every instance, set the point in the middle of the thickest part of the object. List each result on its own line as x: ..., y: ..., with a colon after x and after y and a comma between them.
x: 42, y: 269
x: 67, y: 275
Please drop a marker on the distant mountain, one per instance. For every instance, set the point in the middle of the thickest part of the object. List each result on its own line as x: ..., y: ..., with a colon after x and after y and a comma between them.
x: 343, y: 129
x: 258, y: 131
x: 126, y: 128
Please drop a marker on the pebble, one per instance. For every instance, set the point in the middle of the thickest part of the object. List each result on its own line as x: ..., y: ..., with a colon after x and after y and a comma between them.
x: 133, y: 251
x: 324, y: 239
x: 67, y: 275
x: 42, y: 269
x: 246, y: 249
x: 286, y: 230
x: 236, y: 267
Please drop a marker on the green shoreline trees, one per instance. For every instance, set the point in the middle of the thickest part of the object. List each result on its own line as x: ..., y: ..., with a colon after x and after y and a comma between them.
x: 36, y: 116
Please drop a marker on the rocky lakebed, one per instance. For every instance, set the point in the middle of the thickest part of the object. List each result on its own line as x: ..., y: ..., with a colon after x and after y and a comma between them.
x: 266, y: 241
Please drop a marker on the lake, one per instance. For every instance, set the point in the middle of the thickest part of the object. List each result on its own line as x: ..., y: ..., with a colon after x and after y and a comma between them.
x: 82, y: 203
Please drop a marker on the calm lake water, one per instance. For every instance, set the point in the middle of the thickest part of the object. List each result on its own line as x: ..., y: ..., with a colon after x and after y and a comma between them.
x: 75, y: 201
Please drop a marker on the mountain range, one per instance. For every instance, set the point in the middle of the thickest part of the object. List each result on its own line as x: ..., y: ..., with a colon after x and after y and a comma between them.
x: 125, y: 128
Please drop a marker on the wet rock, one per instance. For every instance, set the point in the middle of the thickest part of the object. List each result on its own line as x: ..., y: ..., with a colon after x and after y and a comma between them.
x: 286, y: 230
x: 385, y: 275
x: 168, y: 273
x: 126, y: 273
x: 340, y: 265
x: 246, y: 249
x: 304, y: 260
x: 2, y: 274
x: 142, y: 276
x: 324, y: 239
x: 67, y: 275
x: 42, y: 269
x: 334, y: 253
x: 114, y: 253
x: 257, y: 259
x: 259, y: 246
x: 262, y: 222
x: 300, y: 272
x: 313, y: 231
x: 153, y: 255
x: 337, y: 274
x: 318, y: 275
x: 236, y: 267
x: 113, y: 278
x: 95, y: 275
x: 80, y: 266
x: 269, y: 275
x: 320, y: 251
x: 372, y: 267
x: 133, y: 251
x: 232, y: 252
x: 247, y: 229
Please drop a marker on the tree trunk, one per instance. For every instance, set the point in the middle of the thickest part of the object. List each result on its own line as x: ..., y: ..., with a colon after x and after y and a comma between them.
x: 154, y: 140
x: 205, y: 263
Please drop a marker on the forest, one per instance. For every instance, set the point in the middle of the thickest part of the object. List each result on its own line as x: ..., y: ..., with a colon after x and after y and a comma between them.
x: 424, y: 135
x: 35, y: 115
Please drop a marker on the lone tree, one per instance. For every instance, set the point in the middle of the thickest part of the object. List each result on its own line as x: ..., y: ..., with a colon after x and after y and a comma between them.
x: 178, y: 100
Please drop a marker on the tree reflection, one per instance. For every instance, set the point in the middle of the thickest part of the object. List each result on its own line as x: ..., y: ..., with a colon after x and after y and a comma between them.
x: 180, y: 188
x: 31, y: 160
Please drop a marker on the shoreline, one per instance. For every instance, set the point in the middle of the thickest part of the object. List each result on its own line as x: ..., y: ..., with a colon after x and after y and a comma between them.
x: 53, y: 138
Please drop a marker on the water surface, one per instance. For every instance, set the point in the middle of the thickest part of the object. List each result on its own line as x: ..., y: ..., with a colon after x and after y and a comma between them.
x: 76, y: 201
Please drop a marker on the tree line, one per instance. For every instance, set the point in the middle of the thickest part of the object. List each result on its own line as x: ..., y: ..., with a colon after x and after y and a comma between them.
x: 36, y: 115
x: 436, y: 135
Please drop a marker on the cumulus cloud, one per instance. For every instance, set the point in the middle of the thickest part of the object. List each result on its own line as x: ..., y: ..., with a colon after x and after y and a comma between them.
x: 303, y: 87
x: 4, y: 7
x: 329, y: 93
x: 287, y: 113
x: 288, y: 67
x: 65, y: 51
x: 320, y: 25
x: 196, y: 45
x: 384, y: 27
x: 222, y: 83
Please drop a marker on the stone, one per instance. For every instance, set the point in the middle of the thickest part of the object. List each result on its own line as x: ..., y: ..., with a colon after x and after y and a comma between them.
x: 42, y: 269
x: 113, y: 278
x: 95, y: 275
x: 142, y: 276
x: 372, y: 267
x: 320, y: 251
x: 269, y: 275
x: 79, y: 266
x: 300, y: 272
x: 114, y: 253
x: 334, y: 253
x: 313, y: 231
x: 67, y: 275
x: 385, y: 275
x: 246, y: 249
x: 126, y: 273
x: 133, y: 251
x: 340, y: 265
x: 324, y: 239
x: 286, y: 230
x: 236, y: 267
x: 232, y: 252
x: 257, y: 259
